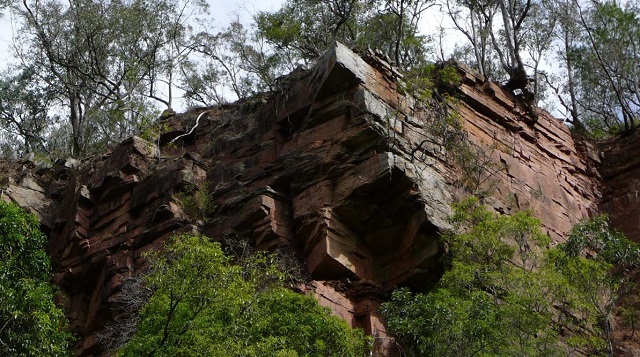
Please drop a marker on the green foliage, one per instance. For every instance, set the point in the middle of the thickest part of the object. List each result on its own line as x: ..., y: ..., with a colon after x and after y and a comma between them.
x: 204, y: 305
x: 432, y: 85
x: 235, y: 59
x: 89, y: 73
x: 197, y: 202
x: 305, y: 28
x: 599, y: 260
x: 423, y: 81
x: 24, y: 103
x: 606, y: 59
x: 97, y: 66
x: 596, y: 239
x: 153, y: 130
x: 435, y: 85
x: 505, y: 292
x: 495, y: 240
x: 32, y: 325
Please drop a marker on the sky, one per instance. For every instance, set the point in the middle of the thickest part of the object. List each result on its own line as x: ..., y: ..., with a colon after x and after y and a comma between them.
x: 224, y: 11
x: 6, y: 32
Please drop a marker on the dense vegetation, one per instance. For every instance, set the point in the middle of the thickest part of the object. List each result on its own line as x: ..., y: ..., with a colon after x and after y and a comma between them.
x: 87, y: 73
x: 203, y: 303
x: 507, y: 292
x: 30, y: 323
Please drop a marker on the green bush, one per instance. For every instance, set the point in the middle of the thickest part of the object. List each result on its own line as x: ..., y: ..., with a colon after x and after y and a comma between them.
x: 205, y: 305
x: 31, y: 324
x: 506, y: 292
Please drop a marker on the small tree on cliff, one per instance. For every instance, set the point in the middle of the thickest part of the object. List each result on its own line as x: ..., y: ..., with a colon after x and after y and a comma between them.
x: 204, y: 305
x: 30, y: 323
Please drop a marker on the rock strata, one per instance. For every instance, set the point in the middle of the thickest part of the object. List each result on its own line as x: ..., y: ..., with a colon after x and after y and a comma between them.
x: 544, y: 168
x: 338, y: 166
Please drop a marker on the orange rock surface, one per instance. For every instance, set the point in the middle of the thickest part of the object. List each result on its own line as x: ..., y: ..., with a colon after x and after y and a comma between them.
x: 338, y: 167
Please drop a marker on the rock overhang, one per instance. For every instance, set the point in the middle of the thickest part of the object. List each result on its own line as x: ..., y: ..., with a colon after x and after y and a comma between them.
x: 338, y: 166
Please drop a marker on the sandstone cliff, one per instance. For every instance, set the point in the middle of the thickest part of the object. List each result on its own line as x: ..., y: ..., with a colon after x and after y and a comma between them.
x: 338, y: 166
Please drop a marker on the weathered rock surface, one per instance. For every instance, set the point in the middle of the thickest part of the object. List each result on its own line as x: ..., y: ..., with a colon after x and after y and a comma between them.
x: 544, y: 168
x: 338, y: 167
x: 620, y: 169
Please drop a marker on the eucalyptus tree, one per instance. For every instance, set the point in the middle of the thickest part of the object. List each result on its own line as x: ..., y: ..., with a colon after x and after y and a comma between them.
x: 245, y: 60
x: 73, y: 47
x: 608, y: 65
x: 234, y: 59
x: 513, y: 13
x: 104, y: 60
x: 474, y: 19
x: 24, y: 112
x: 405, y: 44
x: 566, y: 35
x: 538, y: 36
x: 176, y: 21
x: 501, y: 31
x: 597, y: 46
x: 303, y: 29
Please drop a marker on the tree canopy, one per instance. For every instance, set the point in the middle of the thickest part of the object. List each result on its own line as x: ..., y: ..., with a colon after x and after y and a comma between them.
x: 88, y: 73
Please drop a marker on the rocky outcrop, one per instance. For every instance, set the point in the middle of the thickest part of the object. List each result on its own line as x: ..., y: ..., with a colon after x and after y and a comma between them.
x: 35, y: 186
x: 338, y: 167
x: 544, y: 168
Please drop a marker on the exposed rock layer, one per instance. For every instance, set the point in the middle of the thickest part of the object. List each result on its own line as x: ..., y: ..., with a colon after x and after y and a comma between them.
x: 620, y: 169
x: 338, y: 167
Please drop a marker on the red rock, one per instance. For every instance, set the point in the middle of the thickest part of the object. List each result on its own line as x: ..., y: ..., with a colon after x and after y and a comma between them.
x: 339, y: 167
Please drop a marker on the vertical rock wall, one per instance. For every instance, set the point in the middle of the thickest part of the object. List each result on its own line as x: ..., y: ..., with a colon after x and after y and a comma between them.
x: 543, y: 167
x: 620, y: 170
x: 337, y: 166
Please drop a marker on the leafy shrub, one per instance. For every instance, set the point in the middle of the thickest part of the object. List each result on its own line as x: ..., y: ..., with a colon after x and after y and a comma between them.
x: 506, y: 292
x: 31, y: 324
x: 205, y: 305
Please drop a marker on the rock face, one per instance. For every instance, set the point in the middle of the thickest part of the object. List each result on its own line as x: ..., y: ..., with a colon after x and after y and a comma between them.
x: 338, y: 167
x: 544, y: 168
x: 620, y: 169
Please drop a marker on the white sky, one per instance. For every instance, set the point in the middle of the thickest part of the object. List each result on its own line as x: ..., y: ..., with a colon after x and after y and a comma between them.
x: 225, y: 11
x: 6, y: 32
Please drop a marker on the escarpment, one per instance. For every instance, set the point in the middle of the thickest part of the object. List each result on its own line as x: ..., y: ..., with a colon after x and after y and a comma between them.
x: 338, y: 166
